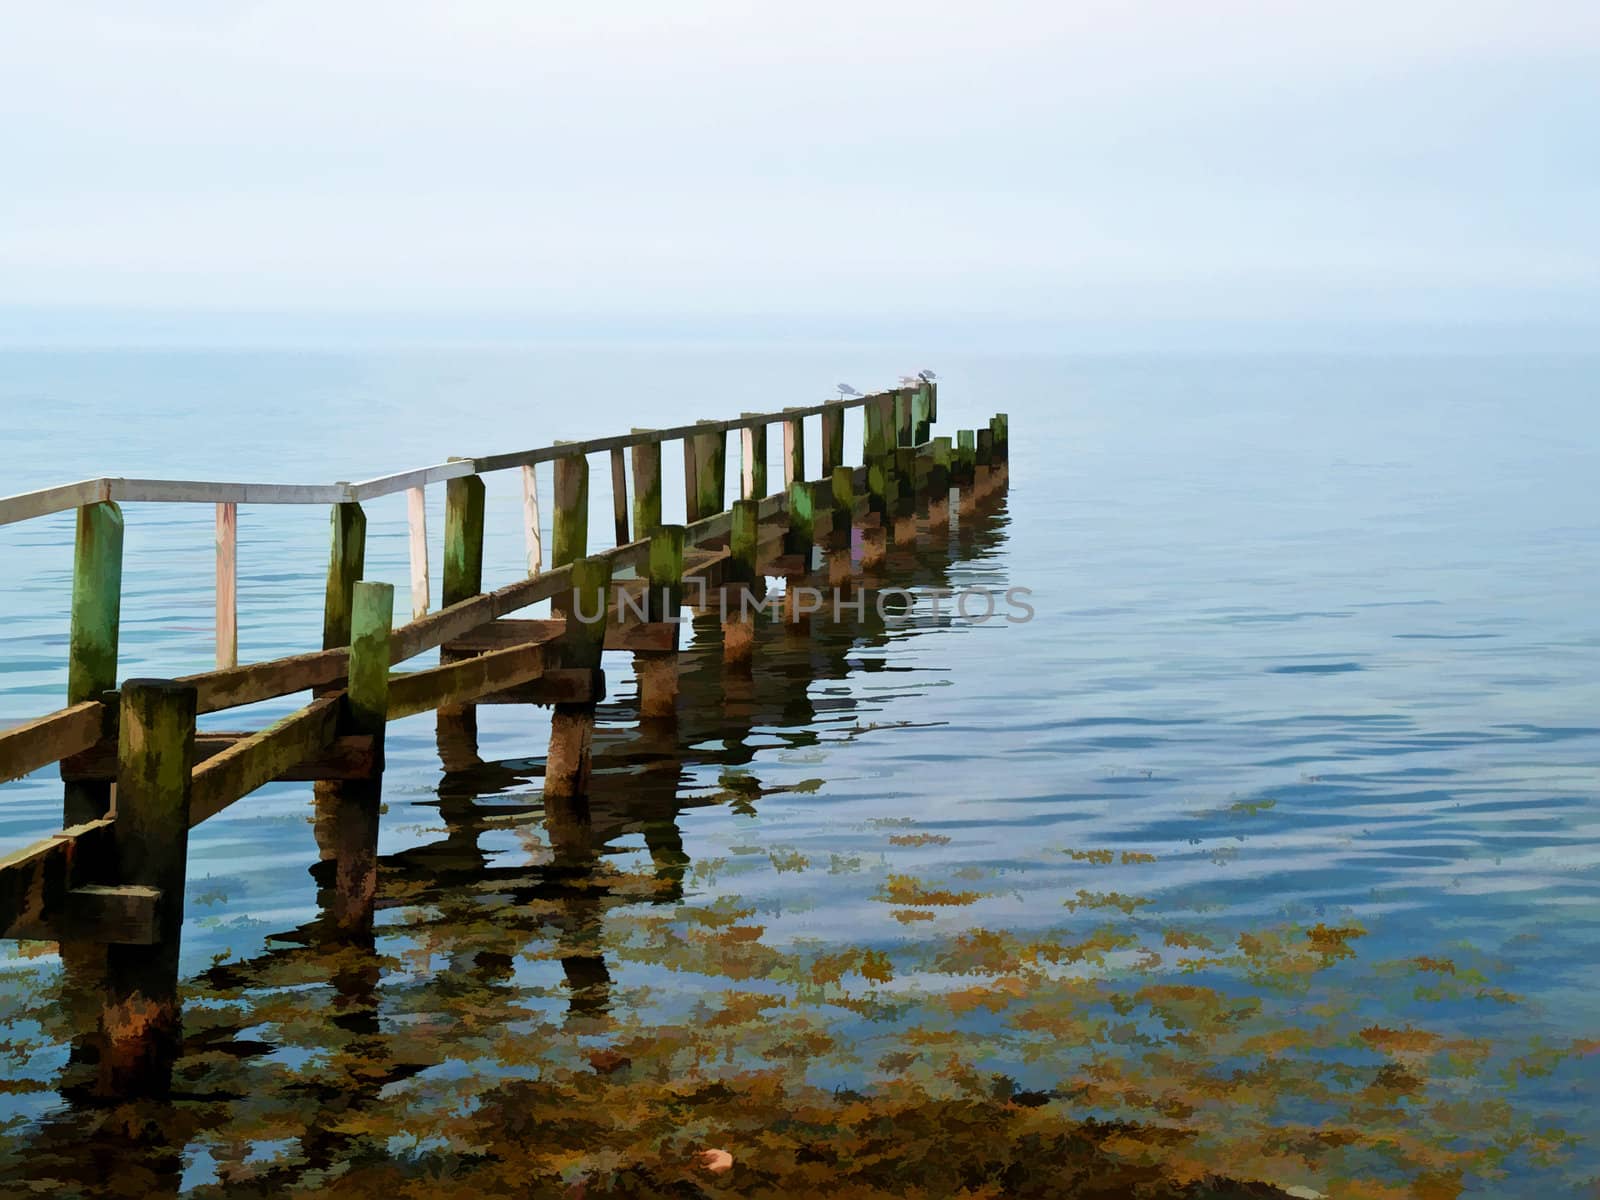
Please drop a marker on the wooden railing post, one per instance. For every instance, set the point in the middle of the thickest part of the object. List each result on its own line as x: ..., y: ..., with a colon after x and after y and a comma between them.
x: 903, y: 425
x: 140, y: 1021
x: 802, y: 519
x: 691, y: 480
x: 568, y: 763
x: 921, y: 413
x: 417, y: 541
x: 753, y: 461
x: 227, y: 585
x: 794, y: 449
x: 92, y: 643
x: 619, y: 494
x: 832, y: 439
x: 842, y: 493
x: 711, y: 466
x: 646, y: 487
x: 966, y: 467
x: 347, y: 810
x: 570, y: 532
x: 738, y: 625
x: 657, y: 671
x: 939, y: 483
x: 983, y: 462
x: 463, y: 539
x: 904, y: 493
x: 533, y: 536
x: 346, y: 560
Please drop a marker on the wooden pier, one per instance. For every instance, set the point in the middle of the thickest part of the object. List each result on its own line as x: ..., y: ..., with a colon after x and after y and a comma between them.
x: 137, y: 775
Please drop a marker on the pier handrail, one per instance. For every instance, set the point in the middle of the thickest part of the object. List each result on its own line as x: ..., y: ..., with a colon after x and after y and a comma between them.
x: 25, y: 506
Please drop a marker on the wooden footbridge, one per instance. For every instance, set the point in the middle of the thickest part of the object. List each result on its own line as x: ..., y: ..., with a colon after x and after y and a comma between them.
x: 138, y: 775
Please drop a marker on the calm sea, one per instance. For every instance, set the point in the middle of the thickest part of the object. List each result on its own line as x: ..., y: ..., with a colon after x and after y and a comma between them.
x: 1316, y: 647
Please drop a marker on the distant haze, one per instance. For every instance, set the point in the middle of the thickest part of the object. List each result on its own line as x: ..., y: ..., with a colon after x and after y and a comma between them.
x: 1057, y: 174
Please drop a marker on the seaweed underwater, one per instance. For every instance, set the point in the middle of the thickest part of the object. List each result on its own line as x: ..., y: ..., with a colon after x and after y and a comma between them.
x: 567, y: 998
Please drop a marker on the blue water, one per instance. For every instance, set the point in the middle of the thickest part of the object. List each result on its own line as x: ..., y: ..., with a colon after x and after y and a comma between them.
x: 1317, y: 635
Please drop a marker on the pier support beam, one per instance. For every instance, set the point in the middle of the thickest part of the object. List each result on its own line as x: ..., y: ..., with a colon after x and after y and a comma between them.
x: 567, y: 766
x: 657, y: 671
x: 646, y: 487
x: 346, y: 823
x: 753, y: 461
x: 710, y: 481
x: 832, y: 439
x: 140, y: 1022
x: 939, y: 484
x: 741, y: 580
x: 92, y: 643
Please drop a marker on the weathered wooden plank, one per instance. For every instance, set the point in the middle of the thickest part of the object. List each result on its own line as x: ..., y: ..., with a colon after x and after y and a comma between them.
x: 262, y: 757
x: 186, y: 491
x: 35, y: 880
x: 217, y: 690
x: 227, y: 584
x: 25, y: 506
x: 37, y: 743
x: 462, y: 682
x: 405, y: 481
x: 498, y: 635
x: 459, y: 619
x: 417, y: 530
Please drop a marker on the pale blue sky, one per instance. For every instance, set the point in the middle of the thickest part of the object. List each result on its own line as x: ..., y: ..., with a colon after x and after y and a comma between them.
x: 1048, y: 167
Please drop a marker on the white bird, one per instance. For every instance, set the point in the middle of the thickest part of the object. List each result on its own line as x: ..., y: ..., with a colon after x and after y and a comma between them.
x: 908, y: 380
x: 846, y: 390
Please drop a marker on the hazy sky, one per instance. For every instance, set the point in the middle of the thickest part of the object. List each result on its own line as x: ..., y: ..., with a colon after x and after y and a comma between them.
x: 1399, y: 160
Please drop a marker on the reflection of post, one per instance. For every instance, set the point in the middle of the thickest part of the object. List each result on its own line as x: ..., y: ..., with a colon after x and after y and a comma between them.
x: 571, y: 834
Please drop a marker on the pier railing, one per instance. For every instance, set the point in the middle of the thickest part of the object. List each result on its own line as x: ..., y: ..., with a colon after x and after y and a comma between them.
x: 114, y: 875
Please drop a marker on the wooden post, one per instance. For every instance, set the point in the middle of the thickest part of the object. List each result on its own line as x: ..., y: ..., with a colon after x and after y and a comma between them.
x: 921, y: 413
x: 738, y: 626
x: 802, y: 526
x: 983, y: 460
x: 753, y: 478
x: 904, y: 493
x: 843, y: 495
x: 140, y: 1021
x: 227, y: 585
x: 566, y: 771
x: 658, y: 670
x: 794, y: 449
x: 346, y: 824
x: 691, y: 481
x: 463, y: 539
x: 417, y: 526
x: 877, y: 417
x: 1000, y: 425
x: 92, y: 644
x: 619, y: 494
x: 832, y: 439
x: 530, y: 520
x: 346, y: 560
x: 646, y: 487
x: 966, y: 456
x: 570, y: 533
x: 711, y: 467
x: 939, y: 483
x: 902, y: 417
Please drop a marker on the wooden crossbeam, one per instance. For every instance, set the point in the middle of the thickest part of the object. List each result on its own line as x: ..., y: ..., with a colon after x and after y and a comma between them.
x: 38, y: 743
x: 262, y: 757
x: 35, y: 880
x: 412, y: 692
x: 268, y: 680
x: 498, y: 635
x: 351, y: 756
